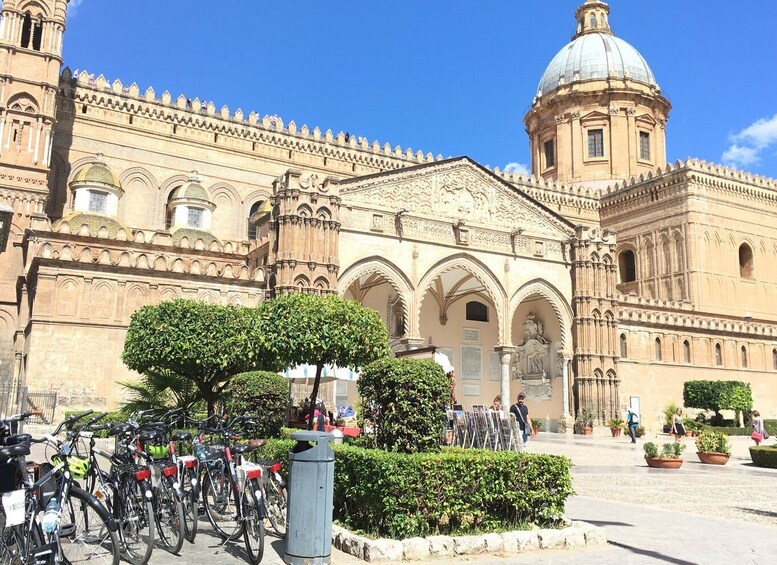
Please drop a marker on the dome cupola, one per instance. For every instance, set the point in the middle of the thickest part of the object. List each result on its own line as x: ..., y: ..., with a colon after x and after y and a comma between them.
x: 190, y: 211
x: 96, y: 189
x: 598, y: 114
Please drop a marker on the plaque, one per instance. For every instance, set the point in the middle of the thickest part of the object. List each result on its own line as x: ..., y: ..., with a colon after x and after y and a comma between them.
x: 471, y: 334
x: 471, y: 390
x: 472, y: 362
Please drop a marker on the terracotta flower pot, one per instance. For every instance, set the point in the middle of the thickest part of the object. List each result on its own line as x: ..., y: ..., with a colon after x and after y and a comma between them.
x: 587, y: 431
x: 688, y: 434
x: 661, y: 463
x: 534, y: 431
x: 616, y: 432
x: 713, y: 458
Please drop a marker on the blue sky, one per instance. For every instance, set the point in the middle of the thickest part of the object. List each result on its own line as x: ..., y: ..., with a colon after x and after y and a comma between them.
x: 451, y: 77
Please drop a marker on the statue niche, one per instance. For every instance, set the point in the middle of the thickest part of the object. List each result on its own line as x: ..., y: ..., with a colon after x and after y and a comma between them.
x: 531, y: 362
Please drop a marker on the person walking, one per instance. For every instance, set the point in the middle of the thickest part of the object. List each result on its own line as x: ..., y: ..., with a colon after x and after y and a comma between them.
x: 678, y: 428
x: 521, y: 412
x: 632, y: 421
x: 759, y: 430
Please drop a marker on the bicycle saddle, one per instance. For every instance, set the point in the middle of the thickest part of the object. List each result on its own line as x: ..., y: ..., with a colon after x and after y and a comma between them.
x: 182, y: 436
x: 121, y: 429
x: 151, y: 436
x: 14, y: 450
x: 18, y: 438
x: 242, y: 448
x: 257, y: 443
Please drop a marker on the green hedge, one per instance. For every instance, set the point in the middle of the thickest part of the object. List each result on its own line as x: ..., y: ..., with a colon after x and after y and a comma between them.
x: 455, y: 491
x: 260, y: 393
x: 117, y: 416
x: 770, y: 425
x: 764, y: 456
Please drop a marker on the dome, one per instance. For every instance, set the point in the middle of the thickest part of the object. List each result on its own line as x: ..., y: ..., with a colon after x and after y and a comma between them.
x: 97, y: 173
x: 190, y: 190
x: 95, y: 222
x: 594, y: 56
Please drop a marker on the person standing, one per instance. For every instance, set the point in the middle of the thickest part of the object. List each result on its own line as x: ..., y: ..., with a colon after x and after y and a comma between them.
x: 678, y: 428
x: 521, y: 412
x: 759, y: 430
x: 497, y: 405
x: 632, y: 421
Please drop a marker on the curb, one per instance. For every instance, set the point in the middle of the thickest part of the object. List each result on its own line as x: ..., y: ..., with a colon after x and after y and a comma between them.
x: 575, y: 536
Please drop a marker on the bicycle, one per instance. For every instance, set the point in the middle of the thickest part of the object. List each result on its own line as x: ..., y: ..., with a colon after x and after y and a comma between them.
x: 232, y: 491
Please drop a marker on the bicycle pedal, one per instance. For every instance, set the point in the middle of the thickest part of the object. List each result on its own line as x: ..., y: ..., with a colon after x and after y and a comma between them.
x: 200, y: 511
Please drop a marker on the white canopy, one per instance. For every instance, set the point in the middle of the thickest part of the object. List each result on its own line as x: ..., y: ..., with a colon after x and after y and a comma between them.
x: 442, y: 360
x: 306, y: 374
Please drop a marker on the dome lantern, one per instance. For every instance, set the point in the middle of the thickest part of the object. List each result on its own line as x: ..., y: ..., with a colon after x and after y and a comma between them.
x: 592, y: 17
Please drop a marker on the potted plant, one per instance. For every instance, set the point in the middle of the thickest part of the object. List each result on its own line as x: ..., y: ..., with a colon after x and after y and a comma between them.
x: 584, y: 422
x: 640, y: 431
x: 713, y: 447
x: 536, y: 424
x: 616, y: 426
x: 667, y: 458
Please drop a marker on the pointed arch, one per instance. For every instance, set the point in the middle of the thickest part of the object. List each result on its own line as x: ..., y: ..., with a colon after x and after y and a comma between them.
x: 556, y: 300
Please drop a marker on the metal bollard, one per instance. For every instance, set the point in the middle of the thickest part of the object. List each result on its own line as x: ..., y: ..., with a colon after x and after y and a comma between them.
x: 311, y: 482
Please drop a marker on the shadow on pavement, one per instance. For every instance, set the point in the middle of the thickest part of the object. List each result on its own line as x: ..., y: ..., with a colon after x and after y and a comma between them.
x: 606, y: 523
x: 653, y: 554
x: 758, y: 512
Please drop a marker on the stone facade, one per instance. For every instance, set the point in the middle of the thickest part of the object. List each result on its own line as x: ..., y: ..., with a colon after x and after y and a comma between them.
x: 605, y: 278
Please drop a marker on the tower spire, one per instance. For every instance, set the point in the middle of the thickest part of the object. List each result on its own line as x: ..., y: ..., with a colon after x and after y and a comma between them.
x: 593, y: 16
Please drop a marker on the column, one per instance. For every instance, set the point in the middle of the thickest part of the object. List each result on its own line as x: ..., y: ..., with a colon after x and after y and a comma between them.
x: 505, y: 356
x: 565, y: 389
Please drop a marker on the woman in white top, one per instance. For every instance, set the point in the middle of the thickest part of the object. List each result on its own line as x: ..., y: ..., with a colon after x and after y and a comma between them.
x: 759, y: 431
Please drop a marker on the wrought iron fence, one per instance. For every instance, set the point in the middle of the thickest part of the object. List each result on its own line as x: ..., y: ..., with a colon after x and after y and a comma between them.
x: 15, y: 400
x: 10, y: 400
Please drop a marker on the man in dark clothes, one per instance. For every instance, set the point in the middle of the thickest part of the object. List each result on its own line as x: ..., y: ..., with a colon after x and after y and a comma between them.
x: 521, y: 412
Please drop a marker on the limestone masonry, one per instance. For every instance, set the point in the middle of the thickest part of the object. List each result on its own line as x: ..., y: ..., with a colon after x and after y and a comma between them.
x: 606, y: 278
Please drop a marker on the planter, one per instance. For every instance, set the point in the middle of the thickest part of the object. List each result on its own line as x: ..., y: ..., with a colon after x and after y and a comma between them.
x: 534, y: 431
x: 587, y: 431
x: 688, y: 434
x: 713, y: 458
x: 661, y: 463
x: 616, y: 432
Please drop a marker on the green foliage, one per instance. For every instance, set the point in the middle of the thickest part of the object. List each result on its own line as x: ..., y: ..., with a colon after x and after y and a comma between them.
x: 260, y: 393
x: 669, y: 412
x: 161, y: 390
x: 710, y: 441
x: 651, y: 449
x: 640, y: 431
x: 616, y: 423
x: 764, y: 456
x: 318, y: 330
x: 117, y: 416
x: 585, y: 418
x: 205, y: 343
x: 536, y: 423
x: 672, y: 450
x: 718, y: 395
x: 405, y: 399
x: 401, y: 495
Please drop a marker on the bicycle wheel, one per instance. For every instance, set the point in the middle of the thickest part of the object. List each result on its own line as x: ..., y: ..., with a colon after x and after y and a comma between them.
x: 84, y: 531
x: 169, y: 517
x: 135, y: 518
x: 253, y: 530
x: 220, y: 504
x: 275, y: 503
x: 190, y: 504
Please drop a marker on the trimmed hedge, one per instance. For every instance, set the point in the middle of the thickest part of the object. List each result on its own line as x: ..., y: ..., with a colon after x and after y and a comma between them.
x: 116, y: 416
x: 770, y: 425
x: 764, y: 456
x: 260, y: 393
x: 401, y: 495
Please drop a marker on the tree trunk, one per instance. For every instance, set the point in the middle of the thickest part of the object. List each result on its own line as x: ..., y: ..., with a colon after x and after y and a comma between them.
x: 316, y: 382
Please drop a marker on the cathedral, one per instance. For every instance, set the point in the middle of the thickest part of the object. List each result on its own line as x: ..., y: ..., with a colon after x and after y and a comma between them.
x: 604, y: 279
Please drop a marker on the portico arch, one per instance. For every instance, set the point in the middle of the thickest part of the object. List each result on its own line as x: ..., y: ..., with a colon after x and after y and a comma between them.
x: 556, y: 300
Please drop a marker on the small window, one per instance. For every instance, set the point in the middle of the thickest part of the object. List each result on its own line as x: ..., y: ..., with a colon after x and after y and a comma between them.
x: 686, y: 351
x: 194, y: 217
x: 477, y: 311
x: 774, y: 359
x: 658, y: 349
x: 98, y: 202
x: 624, y: 347
x: 745, y: 261
x: 628, y: 266
x: 26, y: 30
x: 550, y: 154
x: 593, y: 21
x: 595, y: 143
x: 252, y: 224
x: 644, y: 146
x: 718, y: 355
x: 744, y: 357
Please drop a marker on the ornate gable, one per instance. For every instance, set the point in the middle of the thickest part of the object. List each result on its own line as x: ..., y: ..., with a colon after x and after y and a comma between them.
x: 455, y: 190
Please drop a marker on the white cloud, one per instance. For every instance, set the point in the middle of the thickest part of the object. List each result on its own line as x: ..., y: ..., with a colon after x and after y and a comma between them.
x: 73, y: 6
x: 517, y: 168
x: 747, y: 145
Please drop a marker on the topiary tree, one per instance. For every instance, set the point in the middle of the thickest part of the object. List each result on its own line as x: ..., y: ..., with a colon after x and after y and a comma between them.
x: 259, y: 393
x: 320, y: 330
x: 406, y: 400
x: 718, y: 395
x: 205, y: 343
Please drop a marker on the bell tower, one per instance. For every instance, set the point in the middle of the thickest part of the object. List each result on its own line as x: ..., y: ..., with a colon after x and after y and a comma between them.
x: 31, y: 33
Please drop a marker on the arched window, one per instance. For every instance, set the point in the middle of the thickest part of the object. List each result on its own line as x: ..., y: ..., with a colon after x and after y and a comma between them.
x: 718, y: 355
x: 624, y: 347
x: 593, y: 21
x: 745, y: 261
x: 774, y: 359
x: 658, y: 349
x: 32, y: 32
x: 744, y: 357
x: 477, y: 311
x: 252, y: 220
x: 686, y: 352
x: 628, y: 266
x: 26, y: 30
